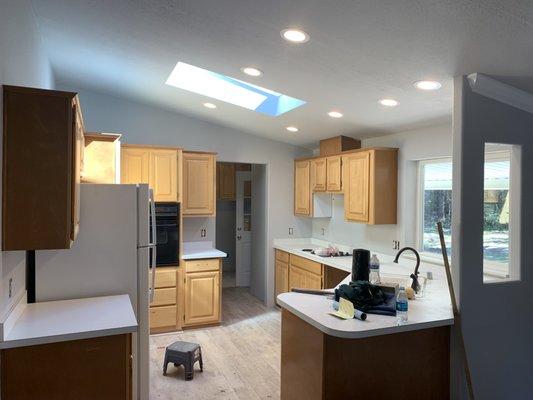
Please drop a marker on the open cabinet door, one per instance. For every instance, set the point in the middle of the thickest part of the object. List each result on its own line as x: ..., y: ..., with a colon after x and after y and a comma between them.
x: 243, y: 226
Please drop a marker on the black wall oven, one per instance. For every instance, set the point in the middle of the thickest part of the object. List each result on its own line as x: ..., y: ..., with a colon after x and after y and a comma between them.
x: 167, y: 223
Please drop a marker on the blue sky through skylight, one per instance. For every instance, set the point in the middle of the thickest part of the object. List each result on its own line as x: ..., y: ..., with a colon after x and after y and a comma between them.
x: 230, y: 90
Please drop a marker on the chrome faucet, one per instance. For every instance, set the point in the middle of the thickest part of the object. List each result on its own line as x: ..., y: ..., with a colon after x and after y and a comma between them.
x: 415, y: 285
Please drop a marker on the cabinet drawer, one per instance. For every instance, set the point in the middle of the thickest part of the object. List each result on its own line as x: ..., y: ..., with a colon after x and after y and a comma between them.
x: 164, y: 297
x: 212, y: 264
x: 165, y: 277
x: 282, y: 256
x: 308, y: 265
x: 162, y: 316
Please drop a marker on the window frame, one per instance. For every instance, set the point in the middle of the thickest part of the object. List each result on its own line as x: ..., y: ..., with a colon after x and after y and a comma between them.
x: 493, y: 270
x: 420, y: 206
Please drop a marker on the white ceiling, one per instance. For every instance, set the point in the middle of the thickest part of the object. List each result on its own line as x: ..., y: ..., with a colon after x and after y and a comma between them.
x: 359, y: 51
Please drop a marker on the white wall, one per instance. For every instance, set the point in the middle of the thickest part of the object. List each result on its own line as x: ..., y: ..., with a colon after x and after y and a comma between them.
x: 142, y: 124
x: 496, y: 318
x: 22, y: 63
x: 431, y: 142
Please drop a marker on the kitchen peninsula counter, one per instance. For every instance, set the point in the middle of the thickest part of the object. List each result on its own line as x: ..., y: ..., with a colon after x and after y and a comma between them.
x: 324, y: 357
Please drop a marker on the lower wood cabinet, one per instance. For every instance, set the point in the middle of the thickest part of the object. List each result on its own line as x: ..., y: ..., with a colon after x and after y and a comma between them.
x: 86, y: 369
x: 202, y: 292
x: 164, y: 308
x: 293, y: 271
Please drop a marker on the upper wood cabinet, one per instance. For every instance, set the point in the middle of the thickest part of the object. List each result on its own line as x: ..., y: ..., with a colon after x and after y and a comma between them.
x: 164, y: 174
x: 101, y: 158
x: 199, y: 184
x: 318, y: 174
x: 357, y: 182
x: 367, y: 177
x: 159, y: 167
x: 302, y: 188
x: 225, y: 181
x: 135, y: 165
x: 42, y: 161
x: 333, y: 179
x: 370, y: 186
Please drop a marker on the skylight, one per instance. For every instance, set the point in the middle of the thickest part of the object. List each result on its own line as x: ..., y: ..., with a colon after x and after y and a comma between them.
x: 230, y: 90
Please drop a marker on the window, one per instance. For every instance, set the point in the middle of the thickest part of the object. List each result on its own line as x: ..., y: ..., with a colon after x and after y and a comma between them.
x: 501, y: 195
x: 221, y: 87
x: 435, y: 204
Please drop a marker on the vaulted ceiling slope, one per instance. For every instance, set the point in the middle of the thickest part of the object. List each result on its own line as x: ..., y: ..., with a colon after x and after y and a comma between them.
x: 358, y: 52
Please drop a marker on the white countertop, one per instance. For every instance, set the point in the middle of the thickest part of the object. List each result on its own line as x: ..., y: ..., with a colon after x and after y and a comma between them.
x: 433, y: 310
x: 200, y: 250
x: 57, y: 321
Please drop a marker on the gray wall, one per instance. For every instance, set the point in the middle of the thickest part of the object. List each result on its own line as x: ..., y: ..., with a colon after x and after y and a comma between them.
x: 22, y: 63
x: 260, y: 215
x: 141, y: 124
x: 225, y: 228
x: 415, y: 145
x: 497, y: 318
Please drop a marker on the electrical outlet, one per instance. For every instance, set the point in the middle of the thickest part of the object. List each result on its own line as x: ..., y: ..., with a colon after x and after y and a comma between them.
x: 10, y: 287
x: 323, y: 232
x: 291, y: 231
x: 395, y: 245
x: 203, y: 232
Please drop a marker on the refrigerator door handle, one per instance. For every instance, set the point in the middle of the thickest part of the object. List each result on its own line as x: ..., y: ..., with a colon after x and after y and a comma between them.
x: 153, y: 245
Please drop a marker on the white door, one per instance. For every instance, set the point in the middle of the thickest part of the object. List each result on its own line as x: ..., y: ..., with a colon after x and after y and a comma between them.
x: 243, y: 225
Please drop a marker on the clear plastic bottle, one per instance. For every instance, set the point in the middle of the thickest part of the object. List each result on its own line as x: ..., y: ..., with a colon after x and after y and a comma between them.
x: 401, y: 306
x: 374, y: 277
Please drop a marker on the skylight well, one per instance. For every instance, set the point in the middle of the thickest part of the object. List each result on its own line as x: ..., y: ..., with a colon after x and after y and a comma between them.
x: 224, y: 88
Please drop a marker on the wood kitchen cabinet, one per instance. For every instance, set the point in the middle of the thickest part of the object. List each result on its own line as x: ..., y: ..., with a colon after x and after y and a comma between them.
x: 370, y: 186
x: 159, y: 167
x: 101, y: 158
x: 304, y: 273
x: 282, y: 273
x: 164, y: 174
x: 302, y: 188
x: 293, y: 271
x: 42, y: 162
x: 85, y: 369
x: 333, y: 176
x: 135, y: 165
x: 164, y: 308
x: 199, y: 173
x: 318, y: 174
x: 226, y: 181
x: 202, y: 292
x: 367, y: 177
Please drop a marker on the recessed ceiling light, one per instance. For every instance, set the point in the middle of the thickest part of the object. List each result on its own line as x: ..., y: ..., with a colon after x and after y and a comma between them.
x: 294, y: 35
x: 252, y: 71
x: 335, y: 114
x: 292, y: 129
x: 427, y: 85
x: 389, y: 102
x: 210, y: 105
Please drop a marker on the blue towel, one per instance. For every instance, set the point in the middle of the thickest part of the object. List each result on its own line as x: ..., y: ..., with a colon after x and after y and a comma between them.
x: 387, y: 308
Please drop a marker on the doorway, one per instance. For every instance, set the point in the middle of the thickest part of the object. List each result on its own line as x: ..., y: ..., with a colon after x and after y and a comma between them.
x: 239, y: 225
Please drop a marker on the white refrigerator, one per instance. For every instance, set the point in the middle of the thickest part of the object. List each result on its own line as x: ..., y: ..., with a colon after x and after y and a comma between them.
x: 113, y: 254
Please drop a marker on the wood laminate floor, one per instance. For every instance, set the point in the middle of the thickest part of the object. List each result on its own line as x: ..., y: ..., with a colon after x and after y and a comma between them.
x: 241, y: 357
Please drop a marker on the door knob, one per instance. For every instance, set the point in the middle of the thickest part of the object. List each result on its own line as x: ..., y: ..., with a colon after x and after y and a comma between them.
x: 239, y: 237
